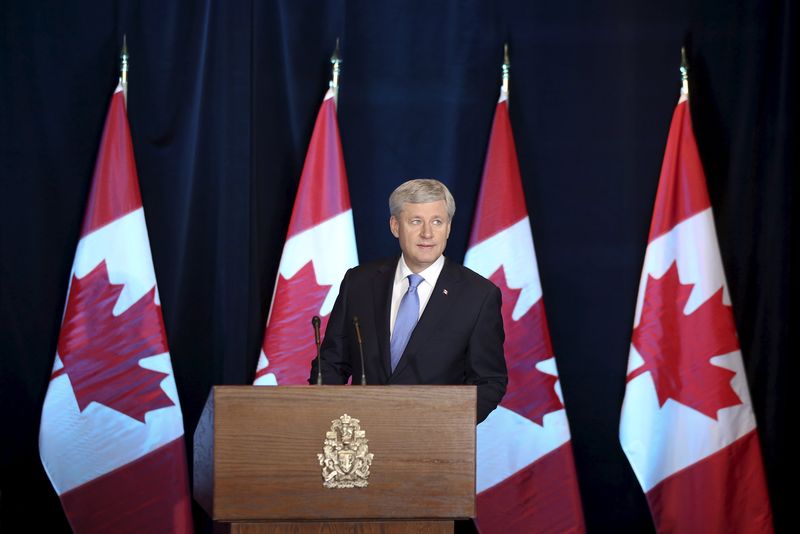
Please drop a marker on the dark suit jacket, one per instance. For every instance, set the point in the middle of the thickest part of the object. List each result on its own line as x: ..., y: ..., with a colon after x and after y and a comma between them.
x: 458, y: 339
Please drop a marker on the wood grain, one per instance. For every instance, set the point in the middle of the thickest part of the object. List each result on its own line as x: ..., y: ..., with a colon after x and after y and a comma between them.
x: 345, y: 527
x: 266, y: 441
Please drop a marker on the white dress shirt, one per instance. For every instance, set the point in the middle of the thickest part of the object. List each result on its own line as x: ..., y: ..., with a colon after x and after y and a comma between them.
x: 424, y: 290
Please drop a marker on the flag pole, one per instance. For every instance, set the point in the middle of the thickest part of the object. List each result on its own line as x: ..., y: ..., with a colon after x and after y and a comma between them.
x: 506, y: 70
x: 123, y: 74
x: 336, y: 62
x: 684, y: 73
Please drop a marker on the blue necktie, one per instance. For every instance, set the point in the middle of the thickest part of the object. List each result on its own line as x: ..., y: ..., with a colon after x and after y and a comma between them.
x: 406, y: 320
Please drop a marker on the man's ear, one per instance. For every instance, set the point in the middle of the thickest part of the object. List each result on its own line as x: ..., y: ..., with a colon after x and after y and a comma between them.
x: 394, y: 226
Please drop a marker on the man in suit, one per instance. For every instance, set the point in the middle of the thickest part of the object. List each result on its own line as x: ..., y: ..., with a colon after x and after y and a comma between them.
x: 423, y: 318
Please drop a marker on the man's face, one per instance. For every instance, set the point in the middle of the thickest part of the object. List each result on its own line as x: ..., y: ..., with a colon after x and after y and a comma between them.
x: 423, y: 230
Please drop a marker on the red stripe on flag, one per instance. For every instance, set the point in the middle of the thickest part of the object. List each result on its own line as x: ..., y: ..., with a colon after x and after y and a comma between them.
x: 322, y: 192
x: 150, y: 494
x: 501, y: 201
x: 724, y: 492
x: 682, y: 186
x: 541, y: 497
x: 115, y: 185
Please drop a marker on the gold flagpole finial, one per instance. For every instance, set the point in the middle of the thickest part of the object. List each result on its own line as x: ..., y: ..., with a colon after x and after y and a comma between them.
x: 506, y: 68
x: 336, y: 65
x: 123, y: 74
x: 684, y: 72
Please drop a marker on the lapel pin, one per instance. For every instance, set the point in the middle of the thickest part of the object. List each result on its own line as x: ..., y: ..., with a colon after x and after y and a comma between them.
x: 444, y: 291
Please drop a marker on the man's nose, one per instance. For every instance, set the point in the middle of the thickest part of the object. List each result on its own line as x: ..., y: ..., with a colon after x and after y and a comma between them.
x: 427, y: 230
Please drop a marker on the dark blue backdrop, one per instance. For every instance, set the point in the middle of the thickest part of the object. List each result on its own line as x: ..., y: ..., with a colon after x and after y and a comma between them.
x: 222, y: 101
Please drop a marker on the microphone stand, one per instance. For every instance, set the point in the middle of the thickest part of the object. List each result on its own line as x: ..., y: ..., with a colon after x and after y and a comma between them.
x: 315, y: 323
x: 360, y: 350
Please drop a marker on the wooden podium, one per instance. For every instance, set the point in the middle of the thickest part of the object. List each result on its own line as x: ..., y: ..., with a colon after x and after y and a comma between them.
x: 256, y: 466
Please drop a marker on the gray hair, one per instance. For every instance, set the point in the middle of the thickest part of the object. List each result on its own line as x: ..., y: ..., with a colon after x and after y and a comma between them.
x: 421, y: 191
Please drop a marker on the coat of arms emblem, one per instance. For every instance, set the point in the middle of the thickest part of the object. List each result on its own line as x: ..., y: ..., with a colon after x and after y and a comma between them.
x: 345, y: 459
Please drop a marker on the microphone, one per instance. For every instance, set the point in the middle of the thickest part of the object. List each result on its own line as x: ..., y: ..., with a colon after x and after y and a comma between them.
x: 315, y: 324
x: 360, y: 350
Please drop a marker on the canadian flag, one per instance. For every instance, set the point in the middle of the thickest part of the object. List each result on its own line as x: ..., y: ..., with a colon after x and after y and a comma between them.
x: 320, y: 247
x: 526, y: 479
x: 687, y: 424
x: 111, y: 436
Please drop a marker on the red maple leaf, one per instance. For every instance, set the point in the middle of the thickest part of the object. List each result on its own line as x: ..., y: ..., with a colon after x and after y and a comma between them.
x: 101, y: 352
x: 289, y: 340
x: 677, y: 347
x: 530, y: 392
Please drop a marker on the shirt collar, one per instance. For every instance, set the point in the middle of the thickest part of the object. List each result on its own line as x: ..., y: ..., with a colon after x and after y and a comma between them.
x: 429, y: 275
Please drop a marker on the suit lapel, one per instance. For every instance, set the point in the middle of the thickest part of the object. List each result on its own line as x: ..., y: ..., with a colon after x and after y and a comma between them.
x: 438, y: 307
x: 382, y: 301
